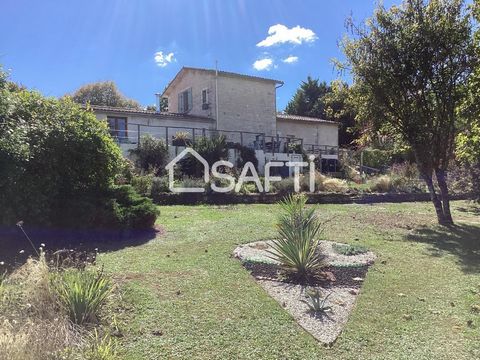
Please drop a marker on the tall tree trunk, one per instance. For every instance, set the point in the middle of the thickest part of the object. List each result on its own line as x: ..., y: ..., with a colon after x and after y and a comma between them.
x: 436, y: 201
x: 442, y: 184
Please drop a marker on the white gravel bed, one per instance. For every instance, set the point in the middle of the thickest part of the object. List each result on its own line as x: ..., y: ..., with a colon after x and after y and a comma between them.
x: 257, y: 251
x: 323, y: 328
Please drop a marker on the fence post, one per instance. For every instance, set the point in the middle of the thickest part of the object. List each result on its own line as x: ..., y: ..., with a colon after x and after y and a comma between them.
x: 241, y: 138
x: 166, y: 136
x: 193, y: 135
x: 138, y: 135
x: 203, y: 132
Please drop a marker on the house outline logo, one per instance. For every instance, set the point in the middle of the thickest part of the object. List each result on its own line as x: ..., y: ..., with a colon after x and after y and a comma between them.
x: 170, y: 168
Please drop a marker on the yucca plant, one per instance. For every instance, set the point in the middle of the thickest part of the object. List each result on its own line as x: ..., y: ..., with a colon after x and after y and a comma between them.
x: 298, y: 237
x: 316, y: 302
x: 82, y: 293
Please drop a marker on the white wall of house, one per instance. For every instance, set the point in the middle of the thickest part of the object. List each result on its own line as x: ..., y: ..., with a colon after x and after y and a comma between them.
x: 196, y: 80
x: 312, y: 132
x: 155, y: 125
x: 246, y: 105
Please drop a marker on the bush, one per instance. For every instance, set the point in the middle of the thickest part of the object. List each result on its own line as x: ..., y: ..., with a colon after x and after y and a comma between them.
x: 211, y: 149
x: 333, y: 185
x: 297, y: 242
x: 283, y: 186
x: 151, y: 154
x: 159, y: 185
x: 349, y: 250
x: 53, y: 155
x: 130, y: 210
x: 82, y: 293
x: 376, y: 158
x: 382, y: 184
x: 246, y: 155
x: 142, y: 184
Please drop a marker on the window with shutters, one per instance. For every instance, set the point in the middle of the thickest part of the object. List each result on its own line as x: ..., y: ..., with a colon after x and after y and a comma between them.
x: 118, y: 128
x: 185, y: 101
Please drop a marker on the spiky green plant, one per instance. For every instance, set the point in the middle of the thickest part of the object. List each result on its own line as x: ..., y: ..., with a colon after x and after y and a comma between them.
x: 101, y: 348
x: 316, y: 302
x: 82, y: 293
x: 298, y: 236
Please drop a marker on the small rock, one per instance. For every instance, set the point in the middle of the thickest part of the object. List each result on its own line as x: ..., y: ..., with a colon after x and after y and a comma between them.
x: 117, y: 333
x: 401, y: 295
x: 357, y: 279
x: 353, y: 291
x: 470, y: 323
x: 384, y: 262
x: 407, y: 317
x: 452, y: 304
x: 179, y: 293
x: 157, y: 332
x: 284, y: 304
x: 475, y: 308
x: 434, y: 312
x: 422, y: 299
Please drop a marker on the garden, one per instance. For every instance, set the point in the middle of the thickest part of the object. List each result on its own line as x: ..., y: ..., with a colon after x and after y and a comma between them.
x: 93, y: 268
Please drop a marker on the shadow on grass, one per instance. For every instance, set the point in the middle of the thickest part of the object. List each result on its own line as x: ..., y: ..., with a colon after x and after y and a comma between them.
x: 462, y: 241
x: 15, y: 248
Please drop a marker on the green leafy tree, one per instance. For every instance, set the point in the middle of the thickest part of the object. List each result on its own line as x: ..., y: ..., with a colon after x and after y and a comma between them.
x: 307, y: 99
x: 468, y: 139
x: 408, y: 64
x: 103, y: 94
x: 338, y: 107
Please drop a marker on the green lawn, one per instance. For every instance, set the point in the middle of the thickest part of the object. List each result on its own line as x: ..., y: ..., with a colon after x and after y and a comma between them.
x: 184, y: 297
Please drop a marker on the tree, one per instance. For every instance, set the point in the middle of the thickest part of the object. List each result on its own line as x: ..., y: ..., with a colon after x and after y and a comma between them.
x: 468, y: 138
x: 103, y: 94
x: 408, y: 64
x: 306, y: 101
x: 329, y: 102
x: 338, y: 107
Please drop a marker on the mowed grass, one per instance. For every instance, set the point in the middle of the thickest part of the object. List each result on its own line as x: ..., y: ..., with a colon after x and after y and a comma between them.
x: 185, y: 297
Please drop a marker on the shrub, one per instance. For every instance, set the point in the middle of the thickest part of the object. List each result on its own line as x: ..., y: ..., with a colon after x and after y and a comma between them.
x: 349, y: 250
x: 100, y: 347
x: 382, y: 183
x: 142, y: 184
x: 53, y: 153
x: 332, y: 185
x: 283, y: 186
x: 151, y: 154
x: 297, y: 242
x: 246, y: 155
x: 376, y: 158
x: 159, y: 185
x: 82, y: 293
x: 130, y: 210
x: 211, y: 149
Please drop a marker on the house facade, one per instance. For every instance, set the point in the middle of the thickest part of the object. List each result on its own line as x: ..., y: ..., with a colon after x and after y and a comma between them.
x: 204, y: 102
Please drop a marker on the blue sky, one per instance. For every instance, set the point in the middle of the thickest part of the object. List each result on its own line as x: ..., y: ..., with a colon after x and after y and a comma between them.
x: 56, y: 46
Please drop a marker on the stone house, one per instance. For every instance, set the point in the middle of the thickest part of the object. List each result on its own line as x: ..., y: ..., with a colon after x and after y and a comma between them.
x: 203, y: 102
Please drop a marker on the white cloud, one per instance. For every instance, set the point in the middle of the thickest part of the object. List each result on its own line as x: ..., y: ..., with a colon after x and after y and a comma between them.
x: 162, y: 59
x: 263, y: 64
x: 291, y: 59
x: 280, y: 34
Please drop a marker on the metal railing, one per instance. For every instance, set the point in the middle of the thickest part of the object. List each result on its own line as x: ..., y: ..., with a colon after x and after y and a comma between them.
x: 181, y: 136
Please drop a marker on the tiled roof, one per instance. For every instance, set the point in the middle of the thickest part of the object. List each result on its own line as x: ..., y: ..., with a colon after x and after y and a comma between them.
x: 304, y: 118
x: 153, y: 113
